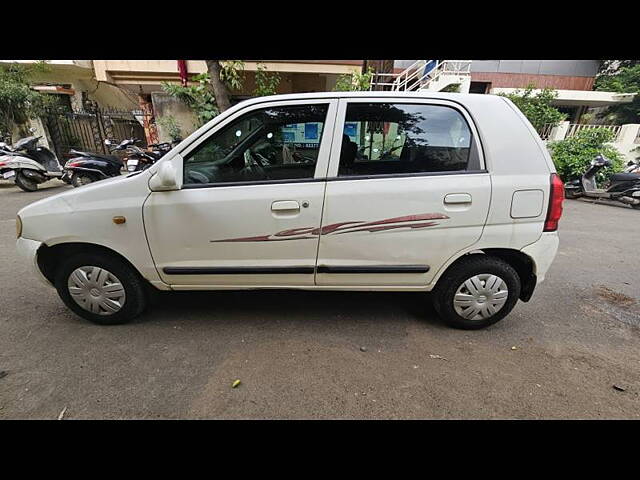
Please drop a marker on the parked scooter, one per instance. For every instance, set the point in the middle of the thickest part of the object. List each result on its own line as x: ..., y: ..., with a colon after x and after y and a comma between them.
x: 624, y: 187
x: 139, y: 159
x: 88, y: 167
x: 29, y: 165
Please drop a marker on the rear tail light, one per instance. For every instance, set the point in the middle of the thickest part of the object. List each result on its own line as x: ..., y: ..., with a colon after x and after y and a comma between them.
x: 2, y: 164
x: 556, y: 197
x: 73, y: 164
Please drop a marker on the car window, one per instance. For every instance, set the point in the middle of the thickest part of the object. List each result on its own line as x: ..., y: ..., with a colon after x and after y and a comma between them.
x: 391, y: 138
x: 277, y: 143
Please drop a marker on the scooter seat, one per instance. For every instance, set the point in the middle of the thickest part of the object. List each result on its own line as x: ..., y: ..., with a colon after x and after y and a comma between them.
x: 111, y: 158
x: 625, y: 177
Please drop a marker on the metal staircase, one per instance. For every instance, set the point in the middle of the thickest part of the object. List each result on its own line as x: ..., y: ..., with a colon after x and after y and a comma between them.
x: 431, y: 75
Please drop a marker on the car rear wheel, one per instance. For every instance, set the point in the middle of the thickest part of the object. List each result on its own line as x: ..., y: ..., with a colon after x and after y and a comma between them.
x: 477, y: 292
x: 101, y: 288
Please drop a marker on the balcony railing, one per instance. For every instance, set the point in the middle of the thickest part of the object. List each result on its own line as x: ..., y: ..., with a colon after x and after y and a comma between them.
x: 574, y: 128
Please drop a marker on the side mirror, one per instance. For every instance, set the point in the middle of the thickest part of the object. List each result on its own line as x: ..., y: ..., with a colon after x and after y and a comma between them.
x: 631, y: 162
x: 165, y: 178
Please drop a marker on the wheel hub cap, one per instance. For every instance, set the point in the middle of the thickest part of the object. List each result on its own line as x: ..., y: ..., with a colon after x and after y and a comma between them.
x: 96, y: 290
x: 480, y: 297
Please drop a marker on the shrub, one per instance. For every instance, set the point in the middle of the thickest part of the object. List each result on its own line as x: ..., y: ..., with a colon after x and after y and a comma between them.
x: 572, y: 156
x: 536, y: 106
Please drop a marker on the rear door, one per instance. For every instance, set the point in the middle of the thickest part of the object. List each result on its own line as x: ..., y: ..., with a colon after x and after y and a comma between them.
x: 406, y: 190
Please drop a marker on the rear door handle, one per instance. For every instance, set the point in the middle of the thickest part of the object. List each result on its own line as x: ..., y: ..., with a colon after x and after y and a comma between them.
x: 454, y: 198
x: 285, y: 205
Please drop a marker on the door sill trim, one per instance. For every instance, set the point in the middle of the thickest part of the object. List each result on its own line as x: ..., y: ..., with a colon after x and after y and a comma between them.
x: 236, y: 270
x: 382, y: 269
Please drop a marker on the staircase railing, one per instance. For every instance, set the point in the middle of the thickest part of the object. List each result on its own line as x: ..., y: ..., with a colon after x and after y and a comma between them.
x: 420, y: 74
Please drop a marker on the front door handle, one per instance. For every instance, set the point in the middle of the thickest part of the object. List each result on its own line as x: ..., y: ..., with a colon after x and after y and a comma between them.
x: 457, y: 198
x: 285, y: 206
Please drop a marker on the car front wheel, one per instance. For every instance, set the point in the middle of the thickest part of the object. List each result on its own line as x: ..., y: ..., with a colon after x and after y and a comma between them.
x: 477, y: 292
x: 100, y: 288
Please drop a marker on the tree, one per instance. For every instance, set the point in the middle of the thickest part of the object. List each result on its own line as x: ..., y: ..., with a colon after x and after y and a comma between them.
x: 211, y: 94
x: 624, y: 80
x: 537, y: 107
x: 354, y: 82
x: 199, y: 97
x: 611, y: 67
x: 573, y: 155
x: 225, y: 76
x: 18, y: 101
x: 266, y: 82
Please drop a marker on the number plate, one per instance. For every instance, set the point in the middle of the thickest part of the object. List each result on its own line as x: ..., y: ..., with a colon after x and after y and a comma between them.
x: 9, y: 174
x: 132, y: 162
x: 131, y: 168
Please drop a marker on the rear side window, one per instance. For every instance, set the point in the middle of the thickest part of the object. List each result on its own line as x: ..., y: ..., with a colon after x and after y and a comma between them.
x: 393, y: 138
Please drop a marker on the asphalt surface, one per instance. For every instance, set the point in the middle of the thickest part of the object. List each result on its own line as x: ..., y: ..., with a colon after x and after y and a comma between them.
x: 300, y: 354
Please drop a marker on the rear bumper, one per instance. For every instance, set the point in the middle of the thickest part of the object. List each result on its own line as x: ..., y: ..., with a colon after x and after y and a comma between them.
x: 542, y: 253
x: 28, y: 251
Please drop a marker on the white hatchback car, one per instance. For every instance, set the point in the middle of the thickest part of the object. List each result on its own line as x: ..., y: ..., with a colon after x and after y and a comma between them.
x: 329, y: 191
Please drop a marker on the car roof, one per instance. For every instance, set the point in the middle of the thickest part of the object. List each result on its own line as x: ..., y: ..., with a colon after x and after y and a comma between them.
x: 372, y: 94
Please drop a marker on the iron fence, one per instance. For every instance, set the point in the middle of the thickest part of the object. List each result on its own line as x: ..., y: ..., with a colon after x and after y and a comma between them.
x: 86, y: 130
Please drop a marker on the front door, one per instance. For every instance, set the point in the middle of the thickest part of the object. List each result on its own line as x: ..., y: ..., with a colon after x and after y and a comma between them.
x: 406, y: 190
x: 249, y: 211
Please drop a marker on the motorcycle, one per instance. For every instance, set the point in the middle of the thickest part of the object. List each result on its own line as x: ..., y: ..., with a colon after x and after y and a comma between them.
x: 624, y: 187
x: 139, y: 159
x: 29, y: 165
x: 88, y: 167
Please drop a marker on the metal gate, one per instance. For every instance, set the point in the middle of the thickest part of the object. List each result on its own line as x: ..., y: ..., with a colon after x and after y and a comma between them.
x: 87, y: 130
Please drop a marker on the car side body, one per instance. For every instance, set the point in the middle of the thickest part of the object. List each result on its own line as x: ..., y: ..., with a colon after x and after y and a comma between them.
x: 322, y: 228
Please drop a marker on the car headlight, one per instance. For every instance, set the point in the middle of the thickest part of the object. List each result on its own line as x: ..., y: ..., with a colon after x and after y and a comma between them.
x: 18, y: 226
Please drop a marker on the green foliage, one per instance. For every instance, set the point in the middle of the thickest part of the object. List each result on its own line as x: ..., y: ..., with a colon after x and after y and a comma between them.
x: 354, y: 82
x: 266, y: 83
x: 537, y: 107
x: 18, y: 101
x: 624, y: 80
x: 199, y: 97
x: 573, y: 155
x: 170, y: 125
x: 231, y: 73
x: 452, y: 88
x: 611, y: 67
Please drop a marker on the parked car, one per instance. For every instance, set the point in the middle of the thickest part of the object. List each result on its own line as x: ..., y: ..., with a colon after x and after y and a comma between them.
x: 391, y: 191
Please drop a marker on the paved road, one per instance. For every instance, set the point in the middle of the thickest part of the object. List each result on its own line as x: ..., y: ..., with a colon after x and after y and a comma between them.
x: 298, y: 353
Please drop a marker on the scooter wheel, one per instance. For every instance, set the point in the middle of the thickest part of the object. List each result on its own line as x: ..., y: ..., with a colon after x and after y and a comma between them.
x: 79, y: 180
x: 569, y: 194
x: 636, y: 206
x: 25, y: 183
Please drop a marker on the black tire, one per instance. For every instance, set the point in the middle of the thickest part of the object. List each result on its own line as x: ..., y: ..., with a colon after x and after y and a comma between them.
x: 134, y: 287
x: 571, y: 195
x: 636, y: 206
x: 475, y: 264
x: 80, y: 179
x: 25, y: 183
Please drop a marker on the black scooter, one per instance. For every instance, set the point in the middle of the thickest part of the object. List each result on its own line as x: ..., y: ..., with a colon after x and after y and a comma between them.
x: 139, y: 159
x: 624, y: 187
x: 88, y: 167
